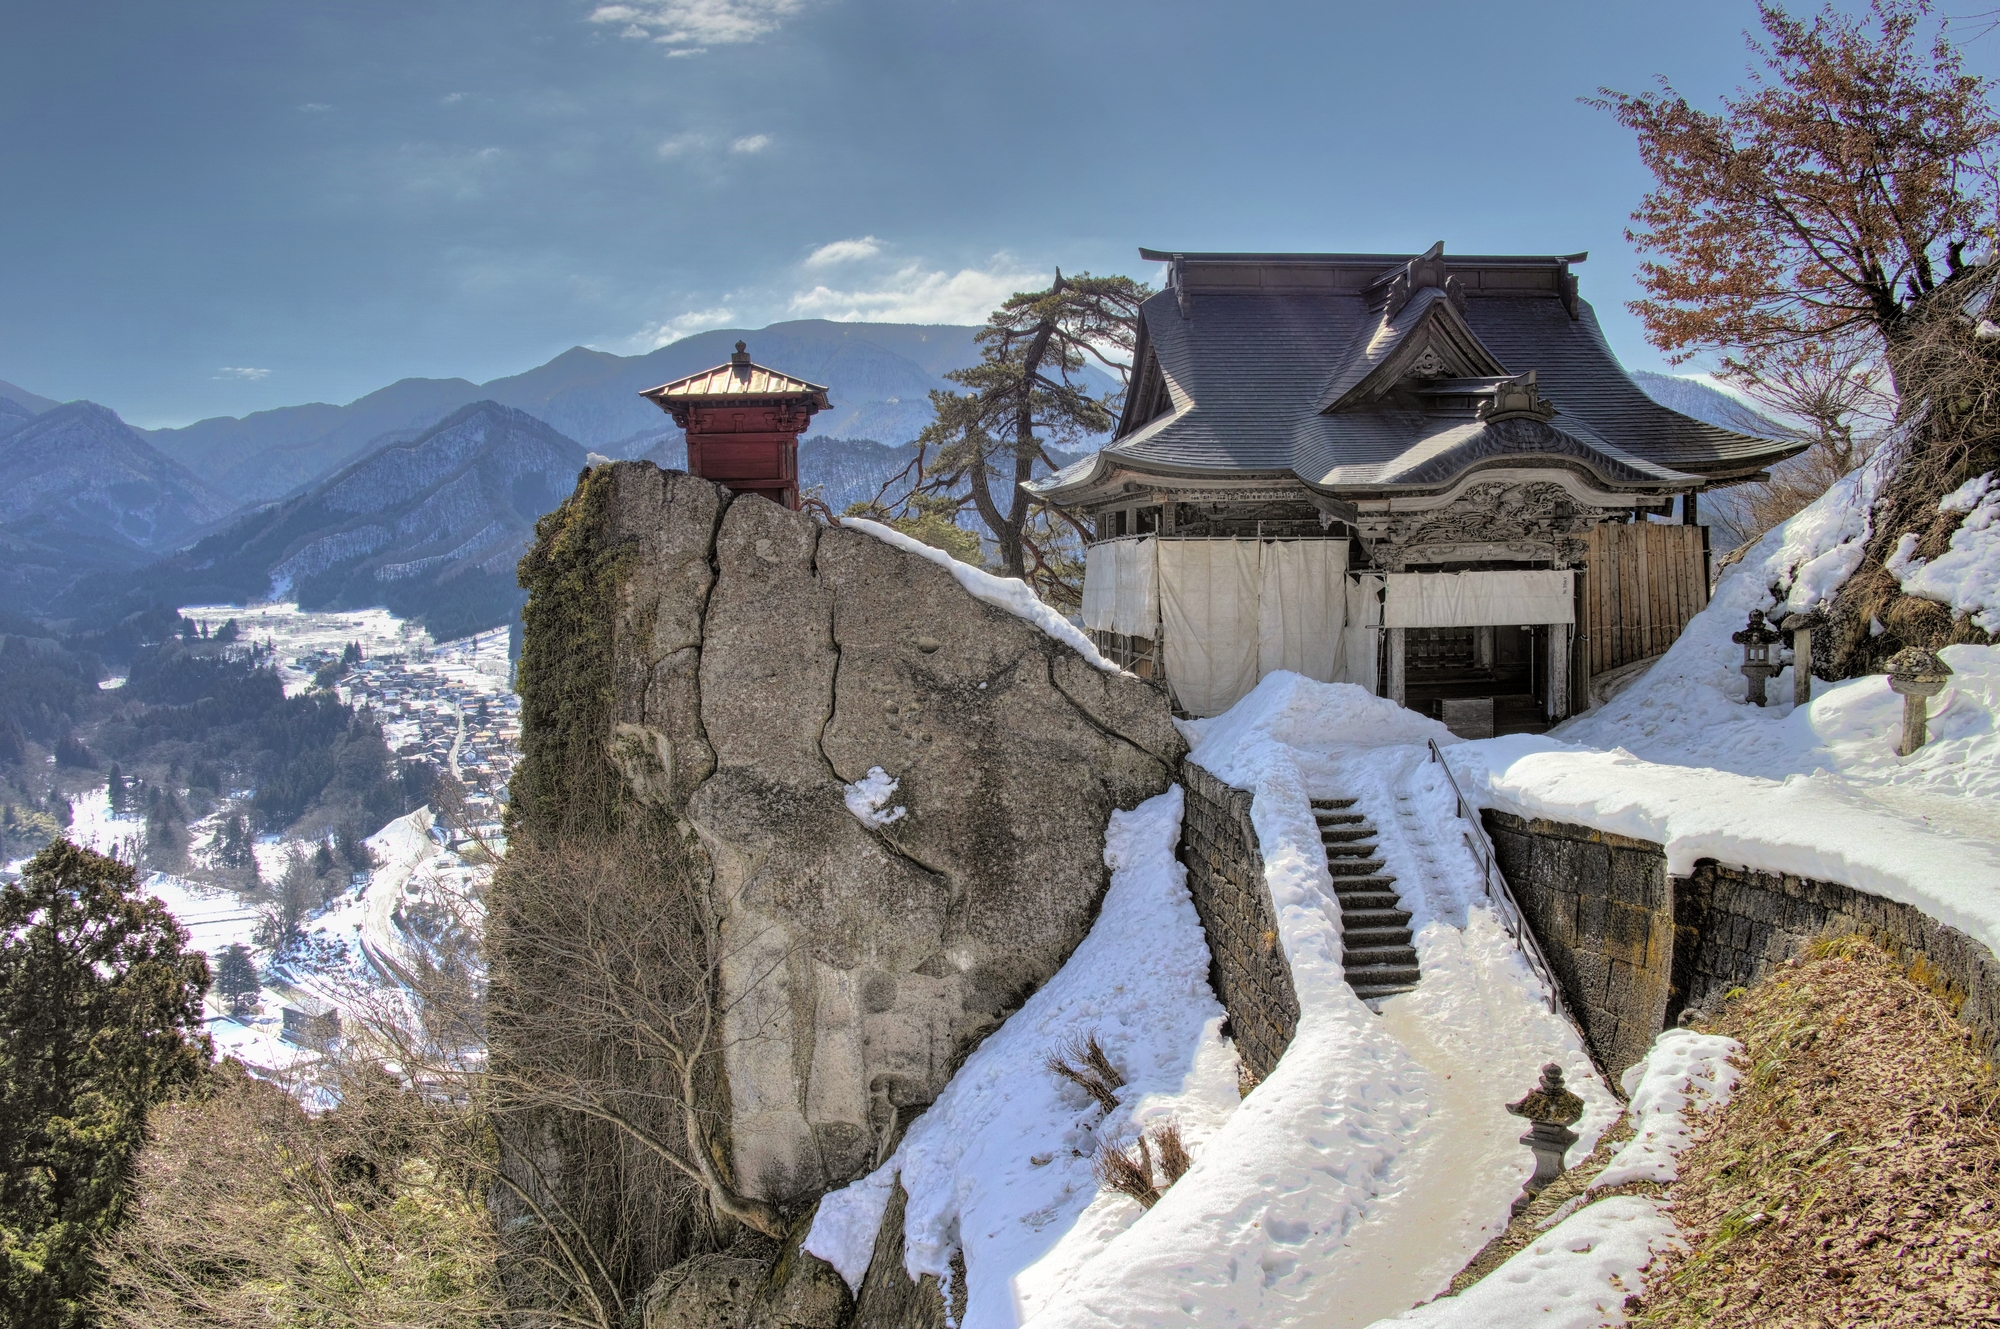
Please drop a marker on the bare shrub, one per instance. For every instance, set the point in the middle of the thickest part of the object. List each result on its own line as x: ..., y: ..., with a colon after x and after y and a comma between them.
x: 606, y: 1004
x: 248, y: 1211
x: 1174, y: 1159
x: 1135, y: 1176
x: 1128, y: 1176
x: 1083, y: 1063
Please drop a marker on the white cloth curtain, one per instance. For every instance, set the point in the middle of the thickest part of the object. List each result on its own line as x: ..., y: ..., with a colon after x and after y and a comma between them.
x: 1301, y: 607
x: 1135, y: 609
x: 1209, y: 591
x: 1478, y: 599
x: 1363, y: 631
x: 1100, y: 586
x: 1121, y: 587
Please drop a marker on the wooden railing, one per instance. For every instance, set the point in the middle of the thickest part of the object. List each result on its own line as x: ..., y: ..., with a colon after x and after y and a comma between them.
x: 1499, y: 892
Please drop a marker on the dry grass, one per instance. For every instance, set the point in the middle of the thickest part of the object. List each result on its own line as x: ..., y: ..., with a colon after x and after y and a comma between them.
x: 1134, y: 1176
x: 1174, y: 1159
x: 1855, y: 1177
x: 1083, y: 1063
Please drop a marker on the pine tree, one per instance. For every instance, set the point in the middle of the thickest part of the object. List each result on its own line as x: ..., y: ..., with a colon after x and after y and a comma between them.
x: 117, y: 790
x: 236, y: 977
x: 101, y: 1002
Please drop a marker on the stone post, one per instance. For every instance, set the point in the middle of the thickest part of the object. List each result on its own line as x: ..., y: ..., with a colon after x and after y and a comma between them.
x: 1553, y: 1109
x: 1801, y: 626
x: 1916, y: 675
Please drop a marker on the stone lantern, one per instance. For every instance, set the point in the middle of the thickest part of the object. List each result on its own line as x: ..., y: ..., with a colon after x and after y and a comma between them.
x: 1801, y: 626
x: 1553, y: 1109
x: 1757, y: 639
x: 1916, y: 675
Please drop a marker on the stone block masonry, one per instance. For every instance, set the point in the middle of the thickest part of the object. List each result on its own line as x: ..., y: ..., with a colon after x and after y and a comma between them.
x: 1225, y: 876
x: 1601, y: 906
x: 1732, y: 925
x: 1634, y: 947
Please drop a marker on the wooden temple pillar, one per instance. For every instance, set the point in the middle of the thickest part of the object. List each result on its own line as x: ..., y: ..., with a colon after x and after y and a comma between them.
x: 1558, y: 672
x: 1394, y: 683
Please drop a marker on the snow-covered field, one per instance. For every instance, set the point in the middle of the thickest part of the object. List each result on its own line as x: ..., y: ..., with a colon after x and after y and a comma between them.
x: 356, y: 945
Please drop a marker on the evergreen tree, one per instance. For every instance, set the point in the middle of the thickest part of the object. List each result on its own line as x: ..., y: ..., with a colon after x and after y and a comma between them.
x: 1024, y: 394
x: 236, y: 977
x: 117, y: 789
x: 101, y: 1004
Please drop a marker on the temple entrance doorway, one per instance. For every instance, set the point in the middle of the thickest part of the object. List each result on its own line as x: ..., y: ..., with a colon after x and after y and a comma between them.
x: 1464, y: 675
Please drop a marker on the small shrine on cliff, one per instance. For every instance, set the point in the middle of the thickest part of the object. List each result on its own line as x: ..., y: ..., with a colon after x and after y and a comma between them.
x: 1427, y: 475
x: 743, y: 423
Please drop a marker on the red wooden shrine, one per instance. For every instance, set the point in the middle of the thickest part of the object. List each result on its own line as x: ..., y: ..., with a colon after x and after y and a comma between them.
x: 743, y: 423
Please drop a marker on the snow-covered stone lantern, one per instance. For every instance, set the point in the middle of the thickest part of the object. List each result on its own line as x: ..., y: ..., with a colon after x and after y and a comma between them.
x: 1552, y: 1109
x: 1757, y: 639
x: 1916, y: 675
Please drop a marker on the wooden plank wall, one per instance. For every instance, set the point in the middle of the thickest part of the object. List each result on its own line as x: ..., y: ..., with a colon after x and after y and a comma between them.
x: 1641, y: 584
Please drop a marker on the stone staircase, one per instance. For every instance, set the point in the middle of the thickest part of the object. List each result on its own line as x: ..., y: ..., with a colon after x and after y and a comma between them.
x: 1375, y: 928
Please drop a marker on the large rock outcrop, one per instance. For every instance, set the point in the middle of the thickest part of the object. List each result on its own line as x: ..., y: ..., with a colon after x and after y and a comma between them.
x: 760, y: 664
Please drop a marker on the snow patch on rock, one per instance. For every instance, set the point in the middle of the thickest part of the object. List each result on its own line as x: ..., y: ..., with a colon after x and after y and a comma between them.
x: 868, y: 796
x: 1008, y: 593
x: 1967, y: 575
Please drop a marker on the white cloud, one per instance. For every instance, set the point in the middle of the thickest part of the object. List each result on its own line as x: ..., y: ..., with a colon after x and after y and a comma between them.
x: 316, y: 108
x: 451, y: 98
x: 844, y: 251
x: 663, y: 333
x: 689, y: 27
x: 913, y: 295
x: 752, y: 143
x: 242, y: 375
x: 680, y: 145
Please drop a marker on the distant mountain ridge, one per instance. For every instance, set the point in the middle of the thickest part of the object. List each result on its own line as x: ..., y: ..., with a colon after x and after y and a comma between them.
x: 430, y: 528
x: 880, y: 376
x: 81, y: 496
x: 1710, y: 405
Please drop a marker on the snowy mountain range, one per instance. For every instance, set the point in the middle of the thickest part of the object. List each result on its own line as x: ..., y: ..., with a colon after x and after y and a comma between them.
x: 84, y: 496
x: 430, y: 528
x: 880, y: 376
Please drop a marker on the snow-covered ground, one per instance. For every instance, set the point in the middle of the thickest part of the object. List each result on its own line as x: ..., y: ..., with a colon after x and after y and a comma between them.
x: 294, y: 633
x: 1595, y: 1252
x: 356, y: 945
x: 1354, y: 1181
x: 1680, y: 758
x: 1351, y: 1183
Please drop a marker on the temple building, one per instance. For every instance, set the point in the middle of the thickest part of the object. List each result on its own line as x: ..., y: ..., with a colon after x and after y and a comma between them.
x: 1425, y: 474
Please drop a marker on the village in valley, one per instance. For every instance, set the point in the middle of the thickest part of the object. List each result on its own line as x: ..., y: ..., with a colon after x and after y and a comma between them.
x: 448, y: 704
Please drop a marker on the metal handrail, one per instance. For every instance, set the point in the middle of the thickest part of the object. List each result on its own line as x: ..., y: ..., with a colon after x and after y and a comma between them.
x: 1499, y: 892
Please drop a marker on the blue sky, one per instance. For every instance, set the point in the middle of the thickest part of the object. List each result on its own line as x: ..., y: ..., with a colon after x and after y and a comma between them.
x: 219, y: 207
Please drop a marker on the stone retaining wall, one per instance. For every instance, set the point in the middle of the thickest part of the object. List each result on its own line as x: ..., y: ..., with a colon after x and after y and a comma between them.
x: 1633, y: 947
x: 1225, y: 875
x: 1601, y: 906
x: 1732, y: 925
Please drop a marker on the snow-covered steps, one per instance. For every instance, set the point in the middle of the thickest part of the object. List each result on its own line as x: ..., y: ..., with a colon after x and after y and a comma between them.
x: 1377, y: 953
